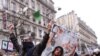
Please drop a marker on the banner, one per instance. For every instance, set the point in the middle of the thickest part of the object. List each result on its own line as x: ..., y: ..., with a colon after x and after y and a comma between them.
x: 62, y: 37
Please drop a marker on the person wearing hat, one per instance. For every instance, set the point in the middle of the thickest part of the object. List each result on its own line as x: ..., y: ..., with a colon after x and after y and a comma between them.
x: 26, y: 41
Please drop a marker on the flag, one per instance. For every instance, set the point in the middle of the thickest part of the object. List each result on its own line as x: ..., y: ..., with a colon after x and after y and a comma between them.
x: 37, y: 15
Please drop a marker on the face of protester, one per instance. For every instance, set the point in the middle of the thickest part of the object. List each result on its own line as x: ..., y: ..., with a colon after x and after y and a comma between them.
x: 27, y: 39
x: 57, y: 52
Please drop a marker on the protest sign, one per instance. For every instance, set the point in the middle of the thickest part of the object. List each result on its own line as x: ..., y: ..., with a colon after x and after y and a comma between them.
x: 63, y: 38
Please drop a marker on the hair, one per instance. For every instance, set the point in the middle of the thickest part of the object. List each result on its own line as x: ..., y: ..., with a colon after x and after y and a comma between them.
x: 87, y: 55
x: 62, y: 51
x: 98, y: 54
x: 1, y: 54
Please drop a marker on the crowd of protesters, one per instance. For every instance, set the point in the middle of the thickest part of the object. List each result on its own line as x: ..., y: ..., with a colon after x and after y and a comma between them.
x: 29, y: 49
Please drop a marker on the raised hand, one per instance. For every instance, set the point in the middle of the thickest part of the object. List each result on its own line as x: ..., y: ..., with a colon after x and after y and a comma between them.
x: 11, y: 28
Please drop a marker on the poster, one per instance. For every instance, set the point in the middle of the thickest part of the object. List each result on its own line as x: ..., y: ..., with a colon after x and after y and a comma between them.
x: 67, y: 40
x: 4, y: 45
x: 7, y: 45
x: 10, y: 46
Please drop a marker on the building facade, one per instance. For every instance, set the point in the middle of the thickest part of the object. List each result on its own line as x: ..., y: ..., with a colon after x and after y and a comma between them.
x: 11, y: 11
x: 86, y: 36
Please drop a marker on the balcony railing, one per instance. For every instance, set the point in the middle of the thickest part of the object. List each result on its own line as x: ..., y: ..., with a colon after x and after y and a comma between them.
x: 22, y: 17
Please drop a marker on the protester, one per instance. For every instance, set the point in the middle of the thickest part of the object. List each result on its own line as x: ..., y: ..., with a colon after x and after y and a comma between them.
x: 27, y: 45
x: 38, y: 49
x: 98, y: 53
x: 13, y: 38
x: 35, y: 51
x: 60, y: 36
x: 58, y: 51
x: 94, y: 54
x: 75, y: 54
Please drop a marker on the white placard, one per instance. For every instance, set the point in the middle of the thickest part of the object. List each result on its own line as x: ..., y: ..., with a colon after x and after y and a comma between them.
x: 10, y: 46
x: 4, y: 44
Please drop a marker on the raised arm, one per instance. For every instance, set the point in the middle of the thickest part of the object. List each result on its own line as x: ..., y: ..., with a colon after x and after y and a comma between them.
x: 13, y: 38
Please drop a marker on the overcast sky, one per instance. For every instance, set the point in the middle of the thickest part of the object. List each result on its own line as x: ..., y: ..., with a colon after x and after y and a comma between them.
x: 87, y: 10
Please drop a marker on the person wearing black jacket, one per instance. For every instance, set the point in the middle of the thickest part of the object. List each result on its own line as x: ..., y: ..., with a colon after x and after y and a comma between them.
x: 41, y: 46
x: 35, y: 51
x: 13, y: 38
x: 38, y: 49
x: 14, y: 42
x: 27, y: 45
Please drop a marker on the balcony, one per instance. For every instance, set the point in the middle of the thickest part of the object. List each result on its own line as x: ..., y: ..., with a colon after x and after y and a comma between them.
x: 47, y: 5
x: 22, y: 17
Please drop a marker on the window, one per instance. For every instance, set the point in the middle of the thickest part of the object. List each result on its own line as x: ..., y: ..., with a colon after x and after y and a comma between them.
x: 39, y: 22
x: 44, y: 21
x: 33, y: 19
x: 13, y: 6
x: 5, y: 4
x: 33, y: 4
x: 40, y: 33
x: 21, y: 9
x: 21, y: 30
x: 44, y: 24
x: 8, y: 16
x: 27, y: 28
x: 26, y: 2
x: 1, y: 4
x: 44, y: 10
x: 39, y: 6
x: 27, y: 14
x: 22, y: 0
x: 34, y: 29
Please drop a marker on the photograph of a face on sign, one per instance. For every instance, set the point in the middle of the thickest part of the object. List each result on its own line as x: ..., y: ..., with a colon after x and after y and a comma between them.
x: 61, y: 37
